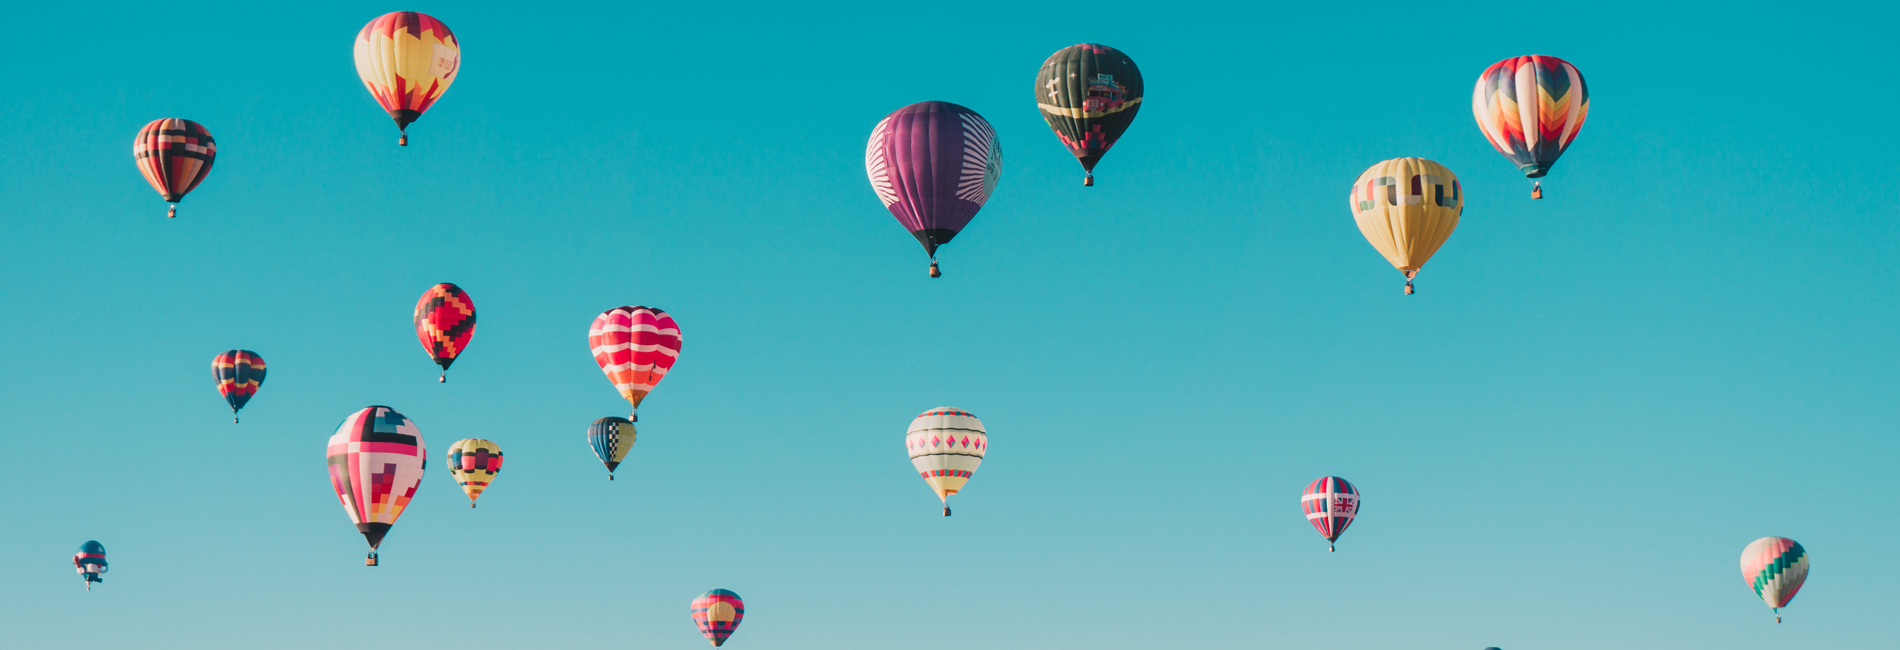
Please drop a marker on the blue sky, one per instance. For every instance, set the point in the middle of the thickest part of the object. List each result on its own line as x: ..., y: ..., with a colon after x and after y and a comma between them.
x: 1564, y: 440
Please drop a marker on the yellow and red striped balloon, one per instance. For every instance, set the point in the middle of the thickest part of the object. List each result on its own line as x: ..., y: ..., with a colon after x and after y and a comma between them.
x: 473, y: 463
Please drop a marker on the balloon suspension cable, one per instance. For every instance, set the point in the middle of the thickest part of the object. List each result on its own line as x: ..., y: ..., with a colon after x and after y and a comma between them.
x: 1537, y: 190
x: 172, y: 213
x: 404, y: 142
x: 933, y: 269
x: 1088, y: 179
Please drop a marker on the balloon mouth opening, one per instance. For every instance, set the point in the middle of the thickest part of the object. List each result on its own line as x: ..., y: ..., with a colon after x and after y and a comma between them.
x: 1534, y: 171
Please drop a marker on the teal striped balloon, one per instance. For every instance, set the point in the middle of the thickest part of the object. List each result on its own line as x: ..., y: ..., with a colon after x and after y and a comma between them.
x: 1775, y: 567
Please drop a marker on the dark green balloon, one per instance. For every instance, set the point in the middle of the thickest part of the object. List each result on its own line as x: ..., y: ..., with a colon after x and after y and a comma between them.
x: 1089, y: 94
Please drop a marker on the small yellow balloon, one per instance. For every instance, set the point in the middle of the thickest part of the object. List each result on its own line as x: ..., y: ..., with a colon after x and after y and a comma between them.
x: 1407, y: 208
x: 473, y: 463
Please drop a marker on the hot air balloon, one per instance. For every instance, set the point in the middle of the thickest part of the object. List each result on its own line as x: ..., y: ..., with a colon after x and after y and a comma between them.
x: 407, y: 60
x: 473, y: 463
x: 376, y: 460
x: 1530, y: 108
x: 445, y: 321
x: 933, y: 164
x: 635, y: 346
x: 239, y: 374
x: 1088, y: 94
x: 1406, y: 207
x: 90, y: 561
x: 717, y: 613
x: 946, y: 444
x: 174, y: 155
x: 1330, y: 505
x: 611, y: 438
x: 1775, y: 567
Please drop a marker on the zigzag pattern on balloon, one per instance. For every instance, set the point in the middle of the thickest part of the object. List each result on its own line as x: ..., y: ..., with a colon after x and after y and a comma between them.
x: 1531, y: 108
x: 445, y: 322
x: 946, y: 445
x: 1775, y: 567
x: 407, y: 60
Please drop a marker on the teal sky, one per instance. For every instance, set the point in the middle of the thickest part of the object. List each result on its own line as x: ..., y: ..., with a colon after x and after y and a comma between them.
x: 1564, y: 440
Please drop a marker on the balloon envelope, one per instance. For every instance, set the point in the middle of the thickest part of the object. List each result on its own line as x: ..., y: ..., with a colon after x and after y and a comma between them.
x: 473, y: 463
x: 718, y: 613
x: 933, y: 165
x: 445, y: 321
x: 174, y: 155
x: 1089, y: 95
x: 407, y: 60
x: 1775, y: 567
x: 635, y: 347
x: 376, y: 460
x: 90, y: 561
x: 1330, y: 504
x: 1406, y: 208
x: 611, y: 438
x: 946, y: 445
x: 239, y: 374
x: 1530, y: 108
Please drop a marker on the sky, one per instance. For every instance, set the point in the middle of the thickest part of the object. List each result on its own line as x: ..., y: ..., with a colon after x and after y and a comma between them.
x: 1563, y: 441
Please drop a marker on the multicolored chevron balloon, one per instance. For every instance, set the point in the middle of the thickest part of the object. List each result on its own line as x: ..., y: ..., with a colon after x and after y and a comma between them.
x: 1530, y: 108
x: 1330, y: 505
x: 717, y: 613
x: 1775, y: 567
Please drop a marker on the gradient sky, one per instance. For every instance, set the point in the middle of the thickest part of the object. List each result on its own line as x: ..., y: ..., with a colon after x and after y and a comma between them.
x: 1564, y: 440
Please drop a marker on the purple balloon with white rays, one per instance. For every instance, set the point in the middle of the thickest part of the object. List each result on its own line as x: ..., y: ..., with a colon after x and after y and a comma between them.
x: 933, y: 164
